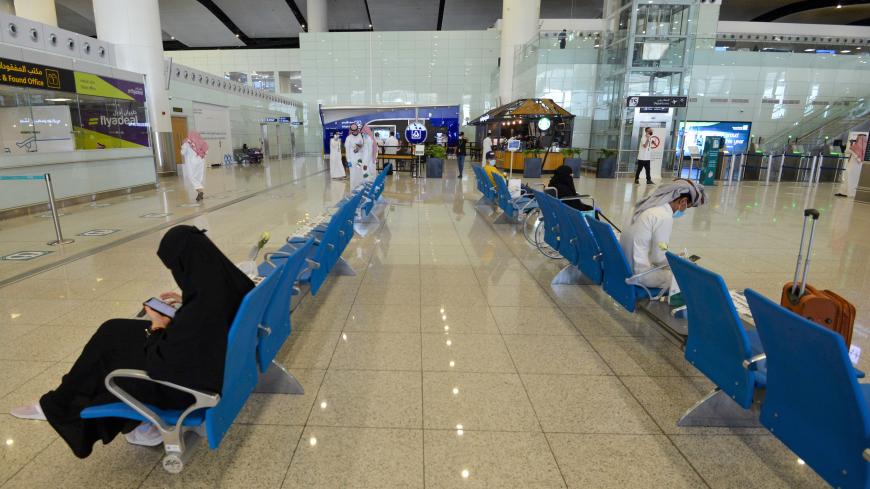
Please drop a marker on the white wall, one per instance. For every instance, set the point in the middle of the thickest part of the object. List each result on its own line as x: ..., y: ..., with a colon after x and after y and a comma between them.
x: 221, y: 61
x: 370, y: 68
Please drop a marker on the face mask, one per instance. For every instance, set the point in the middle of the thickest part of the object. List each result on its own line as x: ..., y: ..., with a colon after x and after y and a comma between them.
x: 679, y: 214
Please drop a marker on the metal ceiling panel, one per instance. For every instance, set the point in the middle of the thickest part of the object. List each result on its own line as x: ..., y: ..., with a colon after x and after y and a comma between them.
x: 404, y: 15
x: 346, y: 14
x: 194, y: 25
x: 464, y: 15
x: 262, y: 18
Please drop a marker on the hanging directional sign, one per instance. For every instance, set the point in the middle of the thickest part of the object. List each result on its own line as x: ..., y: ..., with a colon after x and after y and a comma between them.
x: 415, y: 133
x: 642, y: 101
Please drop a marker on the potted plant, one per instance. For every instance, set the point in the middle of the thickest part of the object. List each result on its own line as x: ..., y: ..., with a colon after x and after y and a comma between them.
x: 571, y: 157
x: 435, y: 156
x: 532, y: 163
x: 606, y: 164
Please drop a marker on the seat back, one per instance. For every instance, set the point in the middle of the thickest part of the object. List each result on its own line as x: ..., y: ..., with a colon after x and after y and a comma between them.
x: 240, y: 364
x: 569, y: 243
x: 813, y: 403
x: 277, y: 317
x: 551, y: 219
x: 717, y: 343
x: 615, y: 266
x: 479, y: 178
x: 504, y: 195
x: 589, y: 260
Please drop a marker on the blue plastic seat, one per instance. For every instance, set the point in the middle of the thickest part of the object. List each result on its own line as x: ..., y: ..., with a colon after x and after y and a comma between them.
x: 512, y: 206
x: 589, y: 261
x: 718, y: 344
x: 218, y: 411
x: 569, y: 243
x: 551, y: 219
x: 616, y: 268
x: 813, y: 403
x: 277, y: 317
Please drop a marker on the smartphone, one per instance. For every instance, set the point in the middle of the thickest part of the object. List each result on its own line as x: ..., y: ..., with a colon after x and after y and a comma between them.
x: 694, y: 258
x: 160, y: 307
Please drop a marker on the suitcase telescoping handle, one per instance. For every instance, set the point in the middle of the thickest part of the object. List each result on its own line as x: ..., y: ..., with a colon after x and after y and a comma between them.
x: 808, y: 213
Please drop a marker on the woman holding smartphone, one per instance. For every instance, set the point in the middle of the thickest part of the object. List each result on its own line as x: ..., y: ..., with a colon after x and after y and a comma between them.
x: 188, y: 349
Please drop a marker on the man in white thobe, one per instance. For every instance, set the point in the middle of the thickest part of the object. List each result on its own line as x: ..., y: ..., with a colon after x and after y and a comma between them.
x: 353, y: 150
x: 487, y: 146
x: 336, y: 167
x: 854, y: 154
x: 647, y: 237
x: 391, y: 146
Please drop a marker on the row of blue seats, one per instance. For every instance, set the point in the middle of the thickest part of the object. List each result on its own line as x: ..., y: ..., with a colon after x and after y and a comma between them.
x: 796, y: 373
x: 500, y: 195
x: 259, y: 330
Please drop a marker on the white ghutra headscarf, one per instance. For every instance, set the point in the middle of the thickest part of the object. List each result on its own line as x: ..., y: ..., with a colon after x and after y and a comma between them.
x: 669, y: 193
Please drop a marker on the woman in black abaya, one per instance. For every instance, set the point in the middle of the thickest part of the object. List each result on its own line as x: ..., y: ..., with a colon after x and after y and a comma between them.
x: 563, y: 182
x: 188, y: 350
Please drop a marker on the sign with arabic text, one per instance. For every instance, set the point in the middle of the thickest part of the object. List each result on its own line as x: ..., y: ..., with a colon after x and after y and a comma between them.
x: 31, y: 75
x: 644, y: 101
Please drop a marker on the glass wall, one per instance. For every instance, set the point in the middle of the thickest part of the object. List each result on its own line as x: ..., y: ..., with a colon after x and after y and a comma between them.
x: 46, y: 121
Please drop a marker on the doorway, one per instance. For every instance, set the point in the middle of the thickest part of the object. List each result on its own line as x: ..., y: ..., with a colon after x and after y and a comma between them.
x: 179, y: 134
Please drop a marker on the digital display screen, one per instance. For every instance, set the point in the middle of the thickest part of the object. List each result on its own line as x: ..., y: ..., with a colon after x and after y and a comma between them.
x: 736, y: 134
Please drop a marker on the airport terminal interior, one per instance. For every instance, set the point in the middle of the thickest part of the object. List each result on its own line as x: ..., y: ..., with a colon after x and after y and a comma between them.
x: 480, y: 243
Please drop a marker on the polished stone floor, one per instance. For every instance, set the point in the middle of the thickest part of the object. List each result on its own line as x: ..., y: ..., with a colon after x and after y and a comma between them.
x: 448, y: 360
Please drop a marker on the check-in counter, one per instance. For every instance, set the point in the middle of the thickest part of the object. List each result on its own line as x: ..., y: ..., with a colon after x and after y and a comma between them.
x: 555, y: 159
x: 752, y: 168
x: 831, y: 168
x: 863, y: 192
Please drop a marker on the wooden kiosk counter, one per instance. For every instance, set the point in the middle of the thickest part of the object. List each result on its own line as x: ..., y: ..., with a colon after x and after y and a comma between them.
x: 503, y: 160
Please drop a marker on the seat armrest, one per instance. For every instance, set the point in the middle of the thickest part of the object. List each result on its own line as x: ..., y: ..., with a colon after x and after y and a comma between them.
x: 859, y: 373
x: 752, y: 362
x: 268, y: 257
x: 867, y: 454
x: 201, y: 399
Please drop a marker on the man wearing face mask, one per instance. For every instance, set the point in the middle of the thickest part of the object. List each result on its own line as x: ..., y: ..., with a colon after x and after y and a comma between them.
x: 646, y: 238
x: 644, y: 155
x: 353, y: 150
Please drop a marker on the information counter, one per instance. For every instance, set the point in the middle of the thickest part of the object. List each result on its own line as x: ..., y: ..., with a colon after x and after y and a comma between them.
x: 503, y: 160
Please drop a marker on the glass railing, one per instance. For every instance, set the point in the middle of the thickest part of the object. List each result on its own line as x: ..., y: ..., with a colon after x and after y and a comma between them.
x: 820, y: 119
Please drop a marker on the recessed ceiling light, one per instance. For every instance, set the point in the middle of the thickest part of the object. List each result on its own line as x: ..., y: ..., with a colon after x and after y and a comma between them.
x: 58, y: 99
x: 839, y: 5
x: 809, y: 50
x: 846, y: 51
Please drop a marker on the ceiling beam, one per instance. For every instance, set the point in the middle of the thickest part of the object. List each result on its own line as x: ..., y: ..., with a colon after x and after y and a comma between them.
x: 256, y: 43
x: 440, y: 14
x: 865, y: 21
x: 298, y: 14
x: 802, y: 6
x: 221, y: 16
x: 369, y: 15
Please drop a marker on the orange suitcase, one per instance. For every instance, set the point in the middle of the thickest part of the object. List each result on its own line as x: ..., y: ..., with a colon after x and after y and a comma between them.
x: 823, y: 307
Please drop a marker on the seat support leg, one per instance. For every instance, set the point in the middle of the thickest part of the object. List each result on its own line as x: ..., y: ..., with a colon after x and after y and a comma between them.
x: 503, y: 218
x: 365, y: 225
x: 277, y: 380
x: 571, y: 275
x: 342, y: 267
x: 483, y: 201
x: 716, y: 409
x: 179, y: 451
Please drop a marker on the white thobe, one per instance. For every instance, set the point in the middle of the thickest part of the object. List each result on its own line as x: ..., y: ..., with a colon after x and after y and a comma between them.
x: 849, y: 185
x: 336, y: 168
x: 641, y: 244
x: 360, y: 158
x: 392, y: 145
x: 194, y: 167
x: 487, y: 147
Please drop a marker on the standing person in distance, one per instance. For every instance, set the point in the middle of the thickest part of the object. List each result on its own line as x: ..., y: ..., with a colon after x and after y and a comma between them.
x: 193, y: 152
x: 644, y: 155
x: 460, y: 153
x: 353, y: 150
x: 854, y: 153
x: 336, y: 168
x: 392, y: 146
x: 487, y: 145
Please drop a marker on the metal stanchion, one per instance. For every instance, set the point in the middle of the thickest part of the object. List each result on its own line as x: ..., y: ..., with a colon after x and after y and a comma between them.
x: 58, y: 233
x: 742, y: 167
x: 819, y: 169
x: 731, y: 169
x: 769, y: 168
x: 812, y: 170
x: 781, y: 164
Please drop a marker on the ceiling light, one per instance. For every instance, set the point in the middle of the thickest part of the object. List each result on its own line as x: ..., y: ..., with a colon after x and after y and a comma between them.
x: 172, y: 37
x: 839, y: 5
x: 237, y: 35
x: 846, y: 51
x: 809, y: 50
x: 58, y: 99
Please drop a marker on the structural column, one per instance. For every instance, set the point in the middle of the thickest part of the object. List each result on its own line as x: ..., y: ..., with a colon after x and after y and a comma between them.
x: 133, y: 26
x: 42, y: 11
x: 317, y: 16
x: 519, y: 24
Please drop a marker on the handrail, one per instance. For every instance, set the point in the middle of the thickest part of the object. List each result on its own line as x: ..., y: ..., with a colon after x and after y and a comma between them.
x: 818, y: 120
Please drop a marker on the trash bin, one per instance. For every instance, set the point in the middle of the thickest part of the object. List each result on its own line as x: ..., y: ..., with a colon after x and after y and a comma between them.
x: 574, y: 164
x: 434, y: 167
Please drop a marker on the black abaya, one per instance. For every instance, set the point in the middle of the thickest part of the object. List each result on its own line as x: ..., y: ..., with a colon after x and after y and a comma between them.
x: 190, y: 351
x: 563, y: 182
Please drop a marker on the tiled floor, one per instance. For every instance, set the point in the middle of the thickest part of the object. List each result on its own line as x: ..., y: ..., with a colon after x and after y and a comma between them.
x: 448, y: 360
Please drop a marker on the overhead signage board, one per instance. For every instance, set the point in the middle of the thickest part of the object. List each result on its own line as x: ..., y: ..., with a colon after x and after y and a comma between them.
x: 665, y: 102
x: 31, y: 75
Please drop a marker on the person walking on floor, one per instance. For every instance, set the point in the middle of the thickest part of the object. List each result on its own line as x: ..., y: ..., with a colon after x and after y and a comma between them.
x: 193, y: 152
x: 460, y: 153
x: 336, y: 167
x: 854, y: 153
x: 644, y: 155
